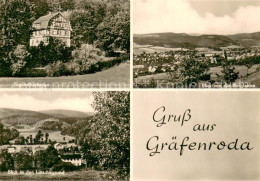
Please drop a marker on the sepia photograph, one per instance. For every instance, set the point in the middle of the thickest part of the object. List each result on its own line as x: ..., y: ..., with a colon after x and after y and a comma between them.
x: 196, y: 43
x: 64, y: 135
x: 64, y: 43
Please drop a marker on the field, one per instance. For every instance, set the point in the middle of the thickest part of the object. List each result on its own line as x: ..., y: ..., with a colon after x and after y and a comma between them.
x: 138, y: 49
x: 115, y: 77
x: 242, y: 70
x: 253, y: 78
x: 53, y: 135
x: 80, y: 175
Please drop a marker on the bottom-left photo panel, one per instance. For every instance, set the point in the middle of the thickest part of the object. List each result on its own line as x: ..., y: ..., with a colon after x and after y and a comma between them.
x: 61, y: 135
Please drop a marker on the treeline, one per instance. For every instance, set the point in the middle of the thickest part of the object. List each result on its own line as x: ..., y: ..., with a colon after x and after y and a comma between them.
x: 7, y: 135
x: 103, y: 24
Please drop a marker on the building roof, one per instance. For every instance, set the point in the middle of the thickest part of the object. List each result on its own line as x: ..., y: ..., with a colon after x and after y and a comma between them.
x: 234, y: 46
x: 44, y: 20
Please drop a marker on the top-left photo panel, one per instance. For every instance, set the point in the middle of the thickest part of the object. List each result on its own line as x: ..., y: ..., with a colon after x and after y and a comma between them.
x: 64, y: 44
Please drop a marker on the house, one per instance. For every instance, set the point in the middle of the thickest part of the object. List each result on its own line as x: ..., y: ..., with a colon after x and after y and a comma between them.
x: 52, y: 25
x: 58, y: 146
x: 12, y: 149
x: 75, y: 159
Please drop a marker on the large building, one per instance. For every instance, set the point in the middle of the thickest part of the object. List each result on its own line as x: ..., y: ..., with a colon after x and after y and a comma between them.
x: 52, y: 25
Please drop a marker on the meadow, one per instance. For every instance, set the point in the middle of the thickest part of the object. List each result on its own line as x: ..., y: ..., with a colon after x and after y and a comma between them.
x: 253, y: 78
x: 53, y: 135
x: 115, y: 77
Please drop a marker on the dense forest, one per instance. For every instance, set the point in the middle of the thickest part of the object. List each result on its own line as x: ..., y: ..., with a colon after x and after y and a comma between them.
x: 7, y: 134
x: 101, y: 28
x: 105, y: 137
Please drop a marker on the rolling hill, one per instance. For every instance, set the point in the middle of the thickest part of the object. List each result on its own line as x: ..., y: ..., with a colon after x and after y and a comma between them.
x: 51, y: 119
x: 67, y: 113
x: 183, y: 40
x: 16, y: 116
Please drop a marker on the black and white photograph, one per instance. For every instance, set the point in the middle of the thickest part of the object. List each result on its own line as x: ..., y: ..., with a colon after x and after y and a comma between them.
x: 64, y: 135
x: 64, y: 43
x: 196, y: 43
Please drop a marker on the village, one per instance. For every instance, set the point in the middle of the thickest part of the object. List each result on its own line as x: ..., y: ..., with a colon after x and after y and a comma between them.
x: 165, y: 61
x: 68, y: 151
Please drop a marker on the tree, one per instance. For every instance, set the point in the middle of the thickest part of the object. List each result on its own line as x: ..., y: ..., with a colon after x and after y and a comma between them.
x: 46, y: 159
x: 111, y: 131
x: 47, y: 54
x: 40, y: 160
x: 114, y: 32
x: 248, y: 64
x: 46, y: 137
x: 6, y: 161
x: 7, y: 134
x: 38, y: 137
x: 31, y: 140
x: 41, y: 7
x: 16, y: 17
x: 229, y: 73
x: 67, y: 5
x: 23, y: 161
x: 52, y: 157
x: 190, y: 71
x: 84, y: 23
x: 17, y: 58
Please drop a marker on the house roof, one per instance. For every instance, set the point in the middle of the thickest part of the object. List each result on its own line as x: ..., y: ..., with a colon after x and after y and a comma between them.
x: 234, y: 46
x: 44, y: 20
x: 46, y: 17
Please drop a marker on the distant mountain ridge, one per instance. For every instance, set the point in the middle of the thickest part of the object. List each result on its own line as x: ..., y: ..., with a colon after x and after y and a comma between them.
x: 45, y: 119
x: 68, y: 113
x: 183, y: 40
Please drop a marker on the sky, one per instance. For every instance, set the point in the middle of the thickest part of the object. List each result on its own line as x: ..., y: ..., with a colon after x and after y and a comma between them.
x: 196, y: 16
x: 38, y: 101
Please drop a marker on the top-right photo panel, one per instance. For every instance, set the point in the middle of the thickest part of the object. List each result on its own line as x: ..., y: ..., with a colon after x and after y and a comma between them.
x: 196, y: 43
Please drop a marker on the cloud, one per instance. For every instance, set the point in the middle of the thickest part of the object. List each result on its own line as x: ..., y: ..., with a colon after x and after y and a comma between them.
x: 154, y: 16
x: 32, y: 102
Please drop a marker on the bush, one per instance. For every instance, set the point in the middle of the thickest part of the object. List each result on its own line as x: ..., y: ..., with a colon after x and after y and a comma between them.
x: 29, y: 72
x: 65, y: 166
x: 56, y: 69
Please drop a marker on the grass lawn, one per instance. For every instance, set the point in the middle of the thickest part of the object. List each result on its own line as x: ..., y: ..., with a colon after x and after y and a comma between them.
x: 53, y: 135
x: 80, y: 175
x: 242, y: 70
x: 253, y: 78
x: 115, y: 77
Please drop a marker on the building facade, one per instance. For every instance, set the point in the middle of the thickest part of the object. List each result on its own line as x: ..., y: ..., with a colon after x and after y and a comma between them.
x: 52, y: 25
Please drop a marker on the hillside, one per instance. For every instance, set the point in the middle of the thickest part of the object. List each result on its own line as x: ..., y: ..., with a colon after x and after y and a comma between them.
x: 246, y: 39
x: 48, y: 120
x: 16, y: 116
x: 67, y: 113
x: 183, y: 40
